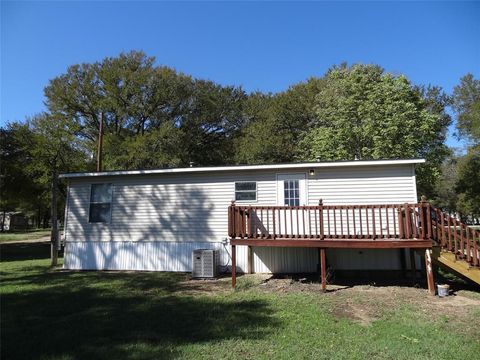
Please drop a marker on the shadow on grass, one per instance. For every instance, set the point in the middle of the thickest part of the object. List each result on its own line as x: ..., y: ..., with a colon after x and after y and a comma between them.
x: 98, y: 315
x: 24, y: 251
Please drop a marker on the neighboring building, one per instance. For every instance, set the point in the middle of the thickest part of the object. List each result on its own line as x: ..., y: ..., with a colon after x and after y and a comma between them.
x: 14, y: 221
x: 154, y: 219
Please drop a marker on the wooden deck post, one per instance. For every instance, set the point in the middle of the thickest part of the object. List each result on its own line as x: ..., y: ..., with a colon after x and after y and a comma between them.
x: 429, y: 269
x: 320, y: 212
x: 234, y: 266
x: 413, y: 265
x: 250, y: 260
x: 323, y: 269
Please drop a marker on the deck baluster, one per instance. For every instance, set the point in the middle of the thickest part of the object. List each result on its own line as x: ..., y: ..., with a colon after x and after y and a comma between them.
x: 361, y: 222
x: 373, y: 223
x: 381, y: 222
x: 303, y: 222
x: 387, y: 220
x: 328, y: 222
x: 354, y: 222
x: 335, y: 220
x: 468, y: 247
x: 348, y: 222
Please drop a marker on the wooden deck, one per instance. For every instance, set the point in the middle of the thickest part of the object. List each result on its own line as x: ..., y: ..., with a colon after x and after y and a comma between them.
x: 409, y: 226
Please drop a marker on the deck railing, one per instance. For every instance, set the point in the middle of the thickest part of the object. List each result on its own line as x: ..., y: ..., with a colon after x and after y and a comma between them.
x: 454, y: 236
x: 399, y: 221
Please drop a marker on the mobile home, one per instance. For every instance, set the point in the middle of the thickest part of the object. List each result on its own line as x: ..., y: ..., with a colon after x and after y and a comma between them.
x: 154, y: 219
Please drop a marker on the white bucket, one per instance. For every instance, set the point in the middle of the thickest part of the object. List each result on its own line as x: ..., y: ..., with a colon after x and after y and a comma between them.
x: 443, y: 290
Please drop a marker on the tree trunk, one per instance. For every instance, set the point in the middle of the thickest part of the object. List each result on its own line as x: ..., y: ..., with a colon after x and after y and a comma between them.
x: 45, y: 219
x: 39, y: 218
x: 54, y: 234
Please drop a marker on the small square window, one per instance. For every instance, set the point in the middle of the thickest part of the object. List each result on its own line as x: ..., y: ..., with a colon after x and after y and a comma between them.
x: 246, y: 191
x: 100, y: 203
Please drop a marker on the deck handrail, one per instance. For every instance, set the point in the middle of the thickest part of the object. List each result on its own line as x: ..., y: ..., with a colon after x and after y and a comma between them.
x: 373, y: 221
x: 454, y: 236
x: 407, y: 221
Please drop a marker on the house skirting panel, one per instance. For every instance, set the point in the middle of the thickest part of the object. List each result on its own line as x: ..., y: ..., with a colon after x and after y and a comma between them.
x: 177, y: 256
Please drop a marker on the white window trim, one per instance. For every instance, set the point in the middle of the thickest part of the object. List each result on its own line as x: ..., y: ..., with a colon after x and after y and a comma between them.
x: 245, y: 201
x: 111, y: 205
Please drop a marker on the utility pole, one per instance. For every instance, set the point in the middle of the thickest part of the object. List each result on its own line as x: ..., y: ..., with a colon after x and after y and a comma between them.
x: 100, y: 144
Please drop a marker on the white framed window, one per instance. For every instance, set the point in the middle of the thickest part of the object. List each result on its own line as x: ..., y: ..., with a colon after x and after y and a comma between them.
x: 100, y: 203
x: 245, y: 191
x: 291, y: 190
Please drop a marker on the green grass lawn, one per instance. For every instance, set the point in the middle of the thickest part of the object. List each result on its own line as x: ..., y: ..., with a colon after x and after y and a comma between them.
x: 25, y: 235
x: 55, y: 314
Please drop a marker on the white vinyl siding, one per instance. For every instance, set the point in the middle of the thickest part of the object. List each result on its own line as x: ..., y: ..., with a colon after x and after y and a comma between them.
x: 365, y: 185
x: 163, y: 208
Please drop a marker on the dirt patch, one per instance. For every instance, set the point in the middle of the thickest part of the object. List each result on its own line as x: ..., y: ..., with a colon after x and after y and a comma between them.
x: 44, y: 239
x: 209, y: 287
x: 355, y: 313
x: 363, y: 304
x: 289, y: 284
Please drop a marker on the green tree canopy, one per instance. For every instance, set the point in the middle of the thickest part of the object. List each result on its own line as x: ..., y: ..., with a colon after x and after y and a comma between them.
x: 468, y: 183
x: 33, y: 153
x: 136, y: 98
x: 364, y: 113
x: 17, y: 188
x: 466, y: 102
x: 276, y: 124
x: 459, y: 188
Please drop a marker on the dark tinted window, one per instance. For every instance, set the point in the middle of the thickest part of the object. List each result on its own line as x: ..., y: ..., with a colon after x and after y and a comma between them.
x: 246, y: 191
x: 100, y: 203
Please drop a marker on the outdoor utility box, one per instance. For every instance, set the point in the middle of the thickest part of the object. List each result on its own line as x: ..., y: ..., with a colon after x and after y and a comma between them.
x: 205, y: 263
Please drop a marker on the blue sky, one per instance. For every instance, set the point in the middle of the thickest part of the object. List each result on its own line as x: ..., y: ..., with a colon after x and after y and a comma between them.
x: 260, y: 46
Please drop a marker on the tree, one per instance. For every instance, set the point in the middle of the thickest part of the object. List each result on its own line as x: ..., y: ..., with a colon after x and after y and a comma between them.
x: 466, y: 102
x: 157, y: 148
x: 52, y: 148
x: 13, y: 182
x: 275, y: 124
x: 446, y: 196
x: 19, y: 190
x: 435, y: 152
x: 468, y: 183
x: 211, y: 118
x: 364, y: 113
x: 134, y: 97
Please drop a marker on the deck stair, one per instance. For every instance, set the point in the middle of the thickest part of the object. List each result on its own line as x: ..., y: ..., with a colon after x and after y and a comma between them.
x: 457, y: 245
